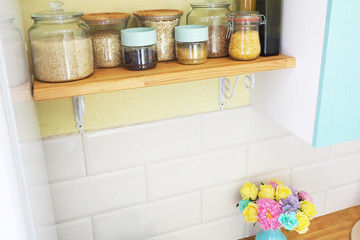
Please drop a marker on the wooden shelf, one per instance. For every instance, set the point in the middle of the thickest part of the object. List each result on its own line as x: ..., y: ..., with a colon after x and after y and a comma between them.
x: 114, y: 79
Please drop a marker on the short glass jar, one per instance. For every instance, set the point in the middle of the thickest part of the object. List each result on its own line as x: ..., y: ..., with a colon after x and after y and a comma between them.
x: 191, y: 44
x: 60, y: 45
x: 213, y: 15
x: 163, y: 21
x: 139, y: 48
x: 244, y: 30
x: 106, y: 38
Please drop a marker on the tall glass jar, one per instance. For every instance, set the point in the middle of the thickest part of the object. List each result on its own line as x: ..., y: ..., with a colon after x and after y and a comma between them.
x: 60, y: 45
x: 213, y: 15
x: 12, y: 48
x: 163, y: 21
x: 105, y: 37
x: 244, y: 30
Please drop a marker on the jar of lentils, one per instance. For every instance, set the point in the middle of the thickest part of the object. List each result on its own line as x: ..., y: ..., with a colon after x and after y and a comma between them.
x: 191, y: 44
x: 106, y: 38
x: 244, y: 31
x: 164, y: 21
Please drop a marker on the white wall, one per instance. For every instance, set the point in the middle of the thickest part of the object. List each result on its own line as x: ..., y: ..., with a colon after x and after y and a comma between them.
x: 180, y: 178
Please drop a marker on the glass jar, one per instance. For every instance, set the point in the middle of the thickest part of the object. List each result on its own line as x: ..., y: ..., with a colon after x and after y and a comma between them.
x: 164, y: 21
x: 60, y: 45
x: 191, y: 44
x: 106, y: 38
x: 244, y: 30
x: 247, y: 5
x: 139, y: 48
x: 12, y: 50
x: 212, y: 15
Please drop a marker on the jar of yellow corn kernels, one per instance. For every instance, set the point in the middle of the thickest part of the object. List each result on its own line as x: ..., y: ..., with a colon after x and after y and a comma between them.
x: 243, y: 31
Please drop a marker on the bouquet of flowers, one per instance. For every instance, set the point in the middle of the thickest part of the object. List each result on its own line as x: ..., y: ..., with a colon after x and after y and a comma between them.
x: 274, y: 205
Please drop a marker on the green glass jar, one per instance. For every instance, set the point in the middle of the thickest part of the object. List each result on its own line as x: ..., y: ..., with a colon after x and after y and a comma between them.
x: 213, y: 15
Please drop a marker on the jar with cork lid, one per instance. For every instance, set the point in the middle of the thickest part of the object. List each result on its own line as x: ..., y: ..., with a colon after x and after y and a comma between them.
x: 105, y: 37
x: 163, y: 21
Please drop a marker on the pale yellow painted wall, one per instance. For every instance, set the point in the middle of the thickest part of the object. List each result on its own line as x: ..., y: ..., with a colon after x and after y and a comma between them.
x: 135, y: 106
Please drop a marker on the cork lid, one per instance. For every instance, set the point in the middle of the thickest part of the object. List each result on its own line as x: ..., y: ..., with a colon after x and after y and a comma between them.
x: 159, y: 14
x: 105, y: 18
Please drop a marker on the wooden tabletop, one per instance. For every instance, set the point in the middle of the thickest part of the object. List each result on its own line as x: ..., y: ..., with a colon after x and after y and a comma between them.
x: 334, y: 226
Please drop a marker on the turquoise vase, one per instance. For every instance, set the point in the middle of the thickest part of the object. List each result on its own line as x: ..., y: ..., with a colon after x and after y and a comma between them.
x: 270, y: 235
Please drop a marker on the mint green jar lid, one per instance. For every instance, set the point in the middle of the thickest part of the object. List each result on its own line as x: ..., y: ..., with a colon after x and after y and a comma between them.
x: 191, y: 33
x: 138, y: 37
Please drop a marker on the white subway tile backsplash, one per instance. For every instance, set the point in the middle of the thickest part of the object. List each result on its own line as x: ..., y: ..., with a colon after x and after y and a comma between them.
x: 343, y: 197
x: 283, y: 153
x: 150, y: 219
x: 80, y: 229
x: 136, y: 145
x: 236, y: 127
x: 220, y: 202
x: 319, y: 201
x: 191, y: 173
x: 345, y: 148
x: 329, y: 174
x: 180, y: 178
x: 64, y: 158
x: 227, y: 229
x: 90, y: 195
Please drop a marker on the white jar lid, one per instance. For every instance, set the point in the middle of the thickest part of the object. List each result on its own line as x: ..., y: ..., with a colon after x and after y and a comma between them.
x: 191, y: 33
x: 138, y: 37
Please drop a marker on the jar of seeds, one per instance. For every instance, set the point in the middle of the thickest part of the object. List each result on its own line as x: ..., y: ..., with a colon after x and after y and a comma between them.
x: 164, y: 21
x: 213, y: 15
x: 60, y: 45
x: 106, y: 38
x: 244, y: 31
x: 139, y: 48
x: 191, y: 44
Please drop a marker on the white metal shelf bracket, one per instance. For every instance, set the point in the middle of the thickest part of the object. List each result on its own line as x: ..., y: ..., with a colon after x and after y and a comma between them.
x: 79, y: 110
x: 225, y: 87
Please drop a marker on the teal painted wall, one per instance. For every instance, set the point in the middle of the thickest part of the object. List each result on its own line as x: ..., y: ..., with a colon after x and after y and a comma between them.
x: 338, y: 109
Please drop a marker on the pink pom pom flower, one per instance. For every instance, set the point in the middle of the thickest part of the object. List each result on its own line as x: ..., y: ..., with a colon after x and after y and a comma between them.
x: 268, y: 213
x: 305, y: 196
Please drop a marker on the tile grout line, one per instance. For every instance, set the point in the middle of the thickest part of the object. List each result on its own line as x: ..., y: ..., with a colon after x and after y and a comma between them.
x: 148, y: 197
x: 84, y: 154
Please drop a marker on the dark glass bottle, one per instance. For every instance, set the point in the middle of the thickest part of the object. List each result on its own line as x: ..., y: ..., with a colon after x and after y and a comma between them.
x: 270, y: 32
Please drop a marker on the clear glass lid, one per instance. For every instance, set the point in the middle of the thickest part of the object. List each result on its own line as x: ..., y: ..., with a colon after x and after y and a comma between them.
x: 56, y: 12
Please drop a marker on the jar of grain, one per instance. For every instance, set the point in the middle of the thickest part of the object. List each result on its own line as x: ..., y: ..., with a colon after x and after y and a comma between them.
x: 164, y: 21
x: 60, y: 45
x: 244, y: 30
x: 191, y: 44
x: 213, y: 15
x: 106, y: 38
x: 139, y: 48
